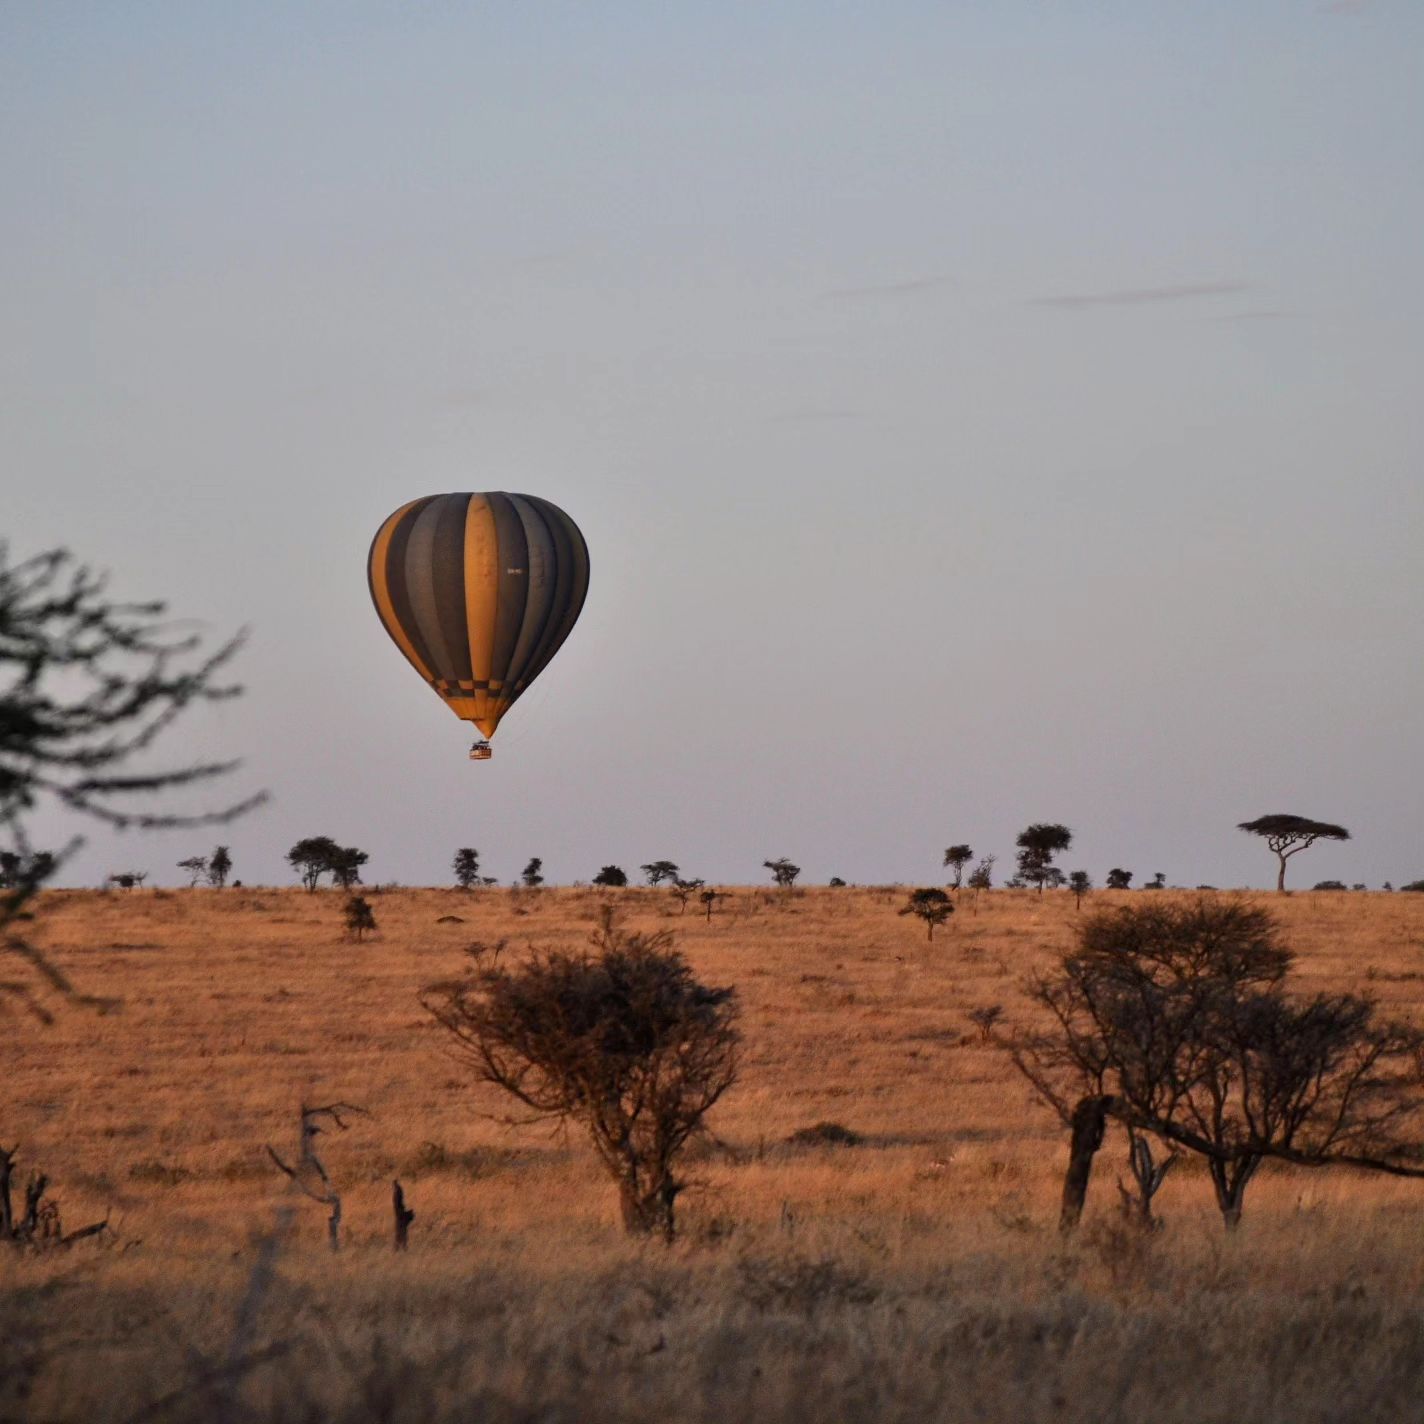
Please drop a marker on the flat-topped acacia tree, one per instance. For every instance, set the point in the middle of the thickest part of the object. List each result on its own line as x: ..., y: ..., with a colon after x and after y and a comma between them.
x: 1289, y: 835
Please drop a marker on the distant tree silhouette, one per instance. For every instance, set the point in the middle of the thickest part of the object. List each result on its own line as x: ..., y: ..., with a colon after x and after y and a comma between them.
x: 684, y: 890
x: 711, y: 895
x: 783, y: 872
x: 836, y: 883
x: 532, y: 876
x: 1080, y: 882
x: 1038, y: 844
x: 346, y: 866
x: 466, y: 866
x: 360, y: 917
x: 219, y: 867
x: 658, y: 871
x: 982, y: 876
x: 1118, y: 879
x: 312, y: 858
x: 1158, y: 881
x: 197, y: 868
x: 1289, y: 835
x: 625, y: 1041
x: 957, y: 857
x: 931, y: 905
x: 129, y: 879
x: 612, y: 876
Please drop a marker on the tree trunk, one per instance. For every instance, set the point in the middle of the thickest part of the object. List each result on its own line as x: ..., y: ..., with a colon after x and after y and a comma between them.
x: 403, y: 1216
x: 1088, y: 1124
x: 1230, y: 1187
x: 1281, y: 878
x: 648, y: 1211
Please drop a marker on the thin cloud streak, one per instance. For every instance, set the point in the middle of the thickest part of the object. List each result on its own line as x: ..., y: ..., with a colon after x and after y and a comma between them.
x: 885, y: 289
x: 1141, y: 296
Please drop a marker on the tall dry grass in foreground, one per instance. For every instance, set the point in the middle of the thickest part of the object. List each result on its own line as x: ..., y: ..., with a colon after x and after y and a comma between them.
x: 913, y: 1275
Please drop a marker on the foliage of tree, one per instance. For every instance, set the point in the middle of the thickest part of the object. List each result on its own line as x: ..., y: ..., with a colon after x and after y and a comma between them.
x: 783, y: 872
x: 1038, y: 844
x: 957, y: 857
x: 684, y: 890
x: 623, y: 1040
x: 345, y: 866
x: 612, y: 876
x: 219, y: 867
x: 532, y: 875
x: 1118, y: 879
x: 982, y: 876
x: 1175, y: 1019
x: 466, y: 867
x: 312, y: 857
x: 360, y: 917
x: 658, y: 871
x: 932, y: 905
x: 196, y: 867
x: 1080, y: 882
x: 1289, y: 835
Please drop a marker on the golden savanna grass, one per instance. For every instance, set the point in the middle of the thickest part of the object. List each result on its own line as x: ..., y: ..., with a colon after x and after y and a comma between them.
x: 915, y: 1275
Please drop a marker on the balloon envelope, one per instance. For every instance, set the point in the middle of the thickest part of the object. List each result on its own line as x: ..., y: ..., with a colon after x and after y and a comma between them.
x: 478, y: 591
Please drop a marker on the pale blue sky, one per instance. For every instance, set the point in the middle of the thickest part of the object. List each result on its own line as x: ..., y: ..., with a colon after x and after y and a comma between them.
x: 977, y: 413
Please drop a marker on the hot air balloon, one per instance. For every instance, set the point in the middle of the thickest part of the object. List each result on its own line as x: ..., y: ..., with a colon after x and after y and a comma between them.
x: 478, y: 591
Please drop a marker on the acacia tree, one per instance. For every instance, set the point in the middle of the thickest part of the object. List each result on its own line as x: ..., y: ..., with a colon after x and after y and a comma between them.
x: 197, y: 868
x: 1038, y: 844
x: 1289, y: 835
x: 623, y: 1040
x: 657, y: 871
x: 1175, y: 1019
x: 359, y: 917
x: 312, y: 857
x: 1118, y: 879
x: 931, y: 905
x: 1079, y: 882
x: 783, y: 872
x: 957, y: 857
x: 532, y: 875
x: 345, y: 866
x: 466, y: 867
x: 613, y: 877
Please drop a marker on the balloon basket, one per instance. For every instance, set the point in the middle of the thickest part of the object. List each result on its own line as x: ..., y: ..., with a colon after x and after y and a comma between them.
x: 481, y: 751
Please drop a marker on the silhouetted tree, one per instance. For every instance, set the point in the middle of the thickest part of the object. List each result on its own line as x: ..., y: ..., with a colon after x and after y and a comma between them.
x: 612, y: 876
x: 360, y: 917
x: 129, y: 879
x: 312, y: 858
x: 657, y: 871
x: 783, y: 872
x: 709, y: 898
x: 982, y: 876
x: 466, y: 866
x: 86, y: 683
x: 623, y: 1040
x: 346, y: 865
x: 1158, y: 881
x: 957, y: 857
x: 1118, y: 879
x: 836, y: 883
x: 197, y: 868
x: 1289, y: 835
x: 931, y: 905
x: 219, y: 867
x: 1038, y: 844
x: 1080, y: 882
x: 532, y: 876
x: 684, y: 890
x: 1174, y: 1019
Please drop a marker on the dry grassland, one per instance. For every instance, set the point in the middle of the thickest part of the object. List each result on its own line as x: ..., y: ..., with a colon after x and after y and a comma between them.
x: 916, y: 1275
